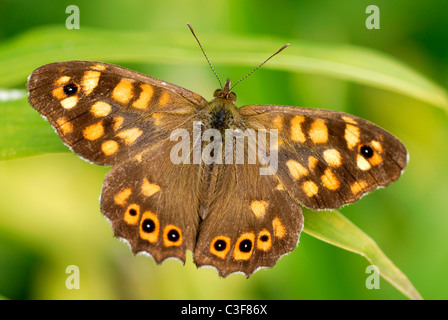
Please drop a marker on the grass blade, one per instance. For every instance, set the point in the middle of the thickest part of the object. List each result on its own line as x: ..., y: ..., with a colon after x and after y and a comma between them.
x: 336, y: 229
x: 48, y: 44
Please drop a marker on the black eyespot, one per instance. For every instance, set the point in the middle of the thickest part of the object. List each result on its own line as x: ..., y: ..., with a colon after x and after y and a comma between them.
x: 264, y: 238
x: 245, y: 245
x: 148, y: 225
x: 366, y: 151
x: 173, y: 235
x: 133, y: 212
x: 70, y: 89
x: 220, y: 245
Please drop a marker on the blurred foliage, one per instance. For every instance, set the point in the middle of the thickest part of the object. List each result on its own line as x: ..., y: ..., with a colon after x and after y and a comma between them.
x: 49, y: 213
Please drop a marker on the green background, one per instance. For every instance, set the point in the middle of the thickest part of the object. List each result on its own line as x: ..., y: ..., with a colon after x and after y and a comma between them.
x: 49, y: 210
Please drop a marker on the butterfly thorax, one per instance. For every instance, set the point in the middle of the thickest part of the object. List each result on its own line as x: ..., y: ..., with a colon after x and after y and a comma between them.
x: 222, y: 108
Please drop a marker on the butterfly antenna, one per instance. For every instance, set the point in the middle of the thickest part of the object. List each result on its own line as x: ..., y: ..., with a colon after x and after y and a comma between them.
x: 278, y: 51
x: 202, y: 49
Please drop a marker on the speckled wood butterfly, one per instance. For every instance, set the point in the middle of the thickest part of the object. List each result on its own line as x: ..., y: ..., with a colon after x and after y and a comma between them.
x: 229, y: 215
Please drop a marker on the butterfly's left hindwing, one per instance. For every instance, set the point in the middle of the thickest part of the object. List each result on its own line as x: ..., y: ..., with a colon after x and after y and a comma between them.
x: 106, y: 113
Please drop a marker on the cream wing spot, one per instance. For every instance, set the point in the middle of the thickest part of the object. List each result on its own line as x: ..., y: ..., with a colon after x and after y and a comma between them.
x: 351, y: 135
x: 100, y: 109
x: 59, y: 93
x: 130, y: 135
x: 98, y: 67
x: 94, y: 131
x: 310, y: 188
x: 376, y: 145
x: 318, y: 132
x: 349, y: 120
x: 296, y: 169
x: 90, y: 81
x: 329, y: 180
x: 259, y: 208
x: 62, y: 80
x: 149, y: 189
x: 312, y: 162
x: 358, y: 186
x: 164, y: 99
x: 123, y: 91
x: 332, y: 157
x: 362, y: 163
x: 296, y: 129
x: 64, y: 125
x: 121, y: 197
x: 145, y: 97
x: 279, y: 228
x: 109, y: 147
x: 70, y: 102
x: 117, y: 122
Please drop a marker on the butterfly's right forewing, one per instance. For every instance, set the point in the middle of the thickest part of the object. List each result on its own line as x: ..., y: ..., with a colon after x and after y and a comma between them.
x: 106, y: 113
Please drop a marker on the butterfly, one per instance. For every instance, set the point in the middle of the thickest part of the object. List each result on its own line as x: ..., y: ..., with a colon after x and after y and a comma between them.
x: 228, y: 214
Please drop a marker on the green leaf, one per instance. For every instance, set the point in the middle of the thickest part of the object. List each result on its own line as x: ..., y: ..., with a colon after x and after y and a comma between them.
x: 336, y: 229
x: 24, y: 133
x: 48, y: 44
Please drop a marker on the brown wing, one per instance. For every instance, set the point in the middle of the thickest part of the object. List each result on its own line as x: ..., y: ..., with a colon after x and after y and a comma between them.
x: 105, y: 113
x: 249, y: 222
x: 327, y: 159
x: 153, y: 203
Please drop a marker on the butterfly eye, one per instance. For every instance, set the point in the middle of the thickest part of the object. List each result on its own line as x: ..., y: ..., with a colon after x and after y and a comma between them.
x: 245, y: 246
x: 232, y: 96
x: 366, y: 151
x: 217, y: 92
x: 132, y: 214
x: 148, y: 226
x: 264, y: 241
x: 70, y: 89
x: 172, y: 236
x: 220, y: 245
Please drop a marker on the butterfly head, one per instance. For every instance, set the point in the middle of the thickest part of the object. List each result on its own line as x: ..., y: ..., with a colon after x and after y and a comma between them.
x: 225, y: 93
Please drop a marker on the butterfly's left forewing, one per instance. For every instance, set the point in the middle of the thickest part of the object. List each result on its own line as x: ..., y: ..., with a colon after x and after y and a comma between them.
x: 327, y: 159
